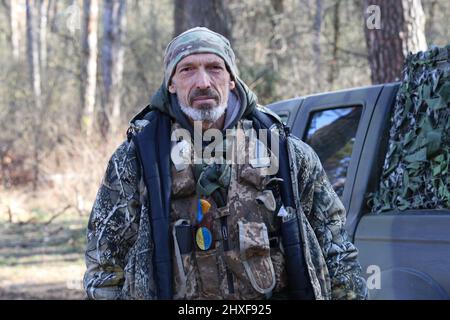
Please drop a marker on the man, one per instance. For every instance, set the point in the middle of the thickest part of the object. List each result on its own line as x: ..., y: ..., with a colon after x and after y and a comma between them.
x: 176, y: 218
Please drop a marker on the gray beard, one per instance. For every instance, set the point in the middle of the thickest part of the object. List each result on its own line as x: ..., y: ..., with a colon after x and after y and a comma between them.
x: 204, y: 114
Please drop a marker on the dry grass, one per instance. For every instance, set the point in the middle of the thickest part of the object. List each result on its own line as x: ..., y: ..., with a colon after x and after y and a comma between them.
x: 42, y: 233
x: 39, y: 261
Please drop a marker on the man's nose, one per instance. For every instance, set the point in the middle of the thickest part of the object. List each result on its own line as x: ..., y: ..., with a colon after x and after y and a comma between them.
x: 203, y: 80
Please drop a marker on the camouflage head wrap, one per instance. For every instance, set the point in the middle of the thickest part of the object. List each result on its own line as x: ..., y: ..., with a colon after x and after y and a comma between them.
x: 198, y: 40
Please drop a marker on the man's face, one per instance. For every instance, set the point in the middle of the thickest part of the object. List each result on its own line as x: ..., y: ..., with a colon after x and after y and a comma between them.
x: 202, y: 84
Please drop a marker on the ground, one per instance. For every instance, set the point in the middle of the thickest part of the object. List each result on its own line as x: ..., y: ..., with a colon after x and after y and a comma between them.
x: 41, y: 260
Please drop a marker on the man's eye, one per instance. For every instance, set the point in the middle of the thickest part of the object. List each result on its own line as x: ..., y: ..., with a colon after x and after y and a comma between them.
x: 216, y: 68
x: 185, y: 69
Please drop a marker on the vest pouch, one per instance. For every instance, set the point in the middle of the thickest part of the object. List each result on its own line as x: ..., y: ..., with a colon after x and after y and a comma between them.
x: 254, y: 250
x: 183, y: 247
x: 256, y: 168
x: 183, y: 182
x: 255, y: 177
x: 208, y: 272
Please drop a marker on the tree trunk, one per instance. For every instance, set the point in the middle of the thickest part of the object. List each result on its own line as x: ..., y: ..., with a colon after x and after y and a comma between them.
x: 430, y: 24
x: 277, y: 5
x: 54, y: 15
x: 15, y: 34
x: 402, y: 31
x: 179, y: 17
x: 114, y: 24
x: 414, y: 27
x: 33, y: 53
x: 43, y: 9
x: 317, y: 52
x: 276, y: 44
x: 213, y: 14
x: 89, y: 65
x: 35, y: 77
x: 334, y: 70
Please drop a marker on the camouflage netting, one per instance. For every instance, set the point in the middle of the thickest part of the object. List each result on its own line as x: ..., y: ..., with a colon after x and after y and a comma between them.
x: 416, y: 169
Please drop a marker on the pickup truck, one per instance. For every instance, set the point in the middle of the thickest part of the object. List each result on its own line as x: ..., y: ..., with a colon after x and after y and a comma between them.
x: 403, y: 255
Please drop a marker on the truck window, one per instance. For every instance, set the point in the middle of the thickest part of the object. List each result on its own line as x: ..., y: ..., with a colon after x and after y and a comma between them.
x: 331, y: 133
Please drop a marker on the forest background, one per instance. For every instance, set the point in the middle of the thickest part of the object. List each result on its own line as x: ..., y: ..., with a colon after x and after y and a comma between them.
x: 73, y: 73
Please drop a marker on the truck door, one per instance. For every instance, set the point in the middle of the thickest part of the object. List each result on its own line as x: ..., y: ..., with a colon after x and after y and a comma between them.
x: 334, y: 125
x: 403, y: 254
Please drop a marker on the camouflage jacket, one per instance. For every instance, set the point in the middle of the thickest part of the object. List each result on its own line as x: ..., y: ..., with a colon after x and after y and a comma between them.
x: 119, y: 235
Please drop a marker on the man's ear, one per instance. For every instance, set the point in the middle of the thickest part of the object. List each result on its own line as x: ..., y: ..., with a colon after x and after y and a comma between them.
x: 172, y: 88
x: 232, y: 85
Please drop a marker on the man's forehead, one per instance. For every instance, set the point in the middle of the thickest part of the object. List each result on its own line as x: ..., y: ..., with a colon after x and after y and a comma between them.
x: 201, y: 58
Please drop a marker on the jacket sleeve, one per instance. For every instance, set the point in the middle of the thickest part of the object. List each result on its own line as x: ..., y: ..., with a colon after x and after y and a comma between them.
x: 327, y: 215
x: 112, y: 226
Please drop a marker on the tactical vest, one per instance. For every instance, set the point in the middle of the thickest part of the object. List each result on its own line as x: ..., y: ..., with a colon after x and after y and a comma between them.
x: 245, y: 258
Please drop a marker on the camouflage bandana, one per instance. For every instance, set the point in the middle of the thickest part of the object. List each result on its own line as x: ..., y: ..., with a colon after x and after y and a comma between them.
x: 198, y: 40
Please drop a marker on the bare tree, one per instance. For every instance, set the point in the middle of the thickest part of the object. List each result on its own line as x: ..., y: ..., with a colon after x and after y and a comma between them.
x: 179, y: 16
x: 53, y: 14
x: 33, y: 53
x: 89, y: 64
x: 43, y: 9
x: 402, y: 31
x: 213, y: 14
x: 14, y: 23
x: 35, y: 77
x: 277, y: 5
x: 316, y: 31
x: 431, y: 14
x: 333, y: 72
x: 114, y: 24
x: 276, y: 42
